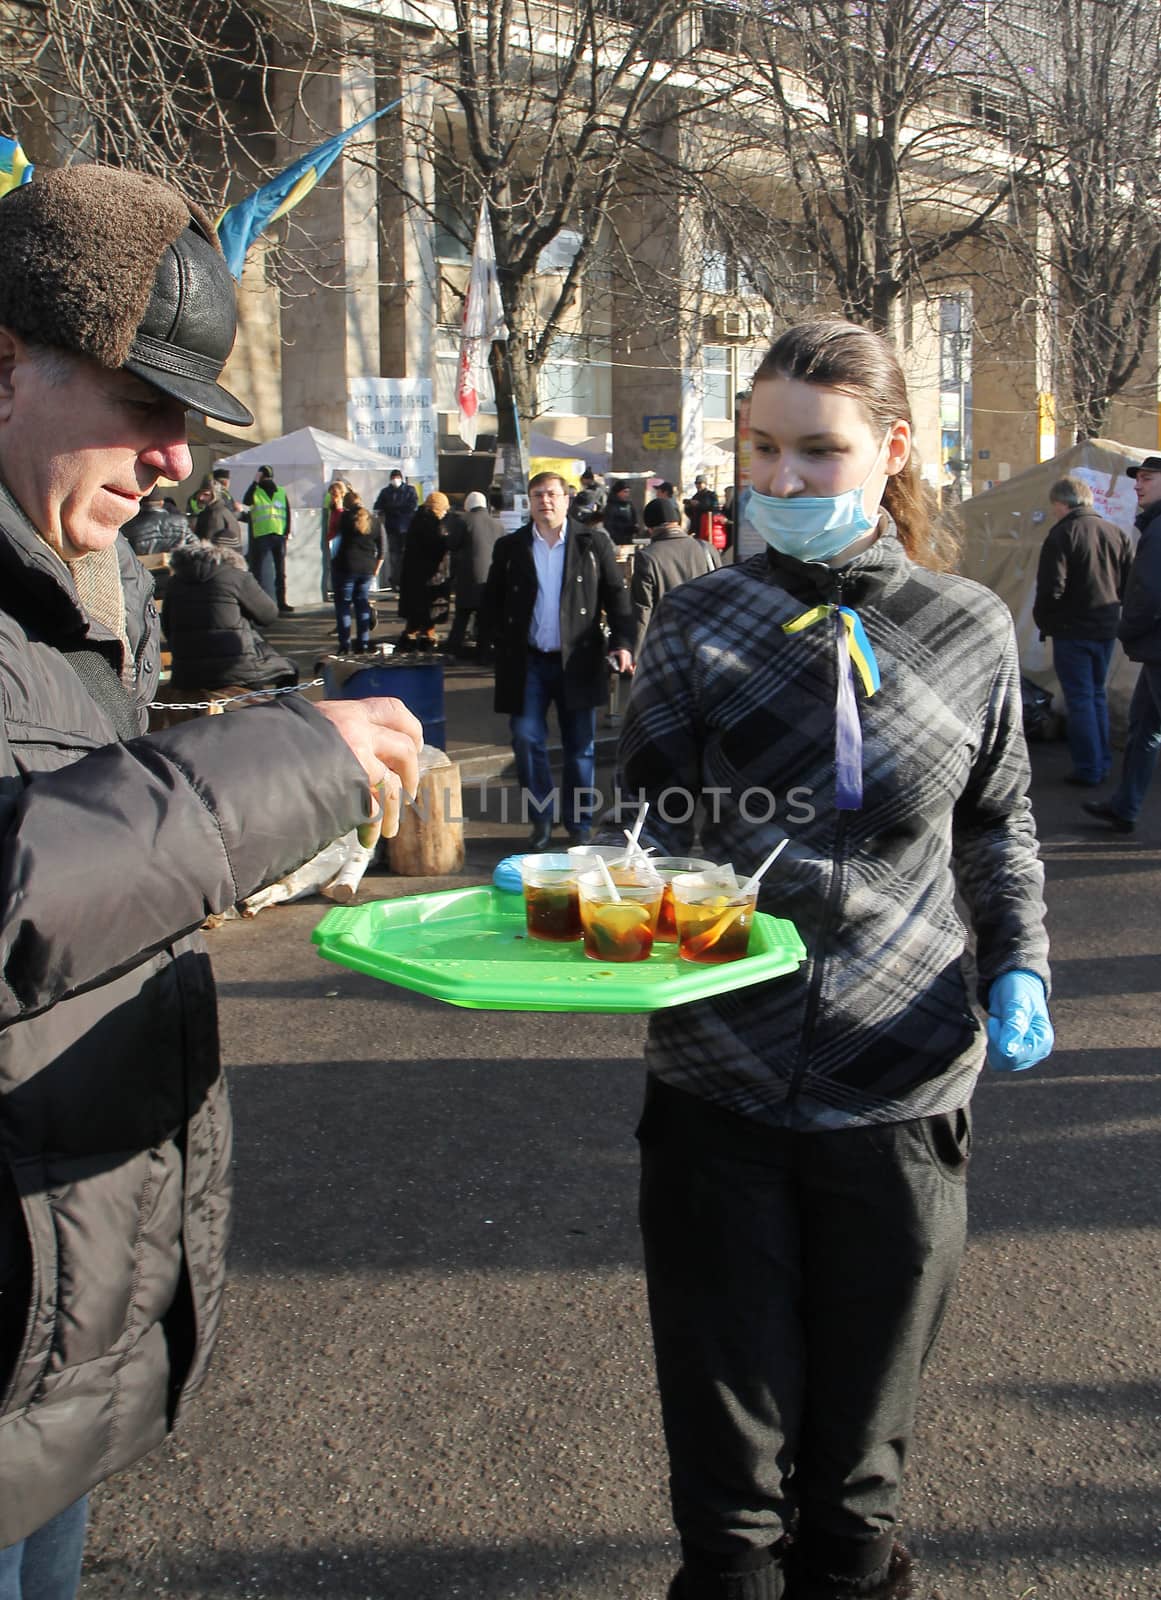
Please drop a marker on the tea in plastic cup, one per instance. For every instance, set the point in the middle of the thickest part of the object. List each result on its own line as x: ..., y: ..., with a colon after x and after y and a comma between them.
x: 551, y: 906
x: 714, y: 916
x: 613, y: 855
x: 619, y: 919
x: 667, y: 868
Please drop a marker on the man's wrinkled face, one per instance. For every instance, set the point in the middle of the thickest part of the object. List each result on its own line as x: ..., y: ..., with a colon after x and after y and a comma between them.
x: 80, y: 445
x: 1148, y: 484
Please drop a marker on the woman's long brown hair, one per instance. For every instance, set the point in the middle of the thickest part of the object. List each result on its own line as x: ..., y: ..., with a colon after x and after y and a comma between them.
x: 841, y: 355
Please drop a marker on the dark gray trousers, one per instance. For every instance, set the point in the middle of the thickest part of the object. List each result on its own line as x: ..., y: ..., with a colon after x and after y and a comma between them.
x: 796, y: 1285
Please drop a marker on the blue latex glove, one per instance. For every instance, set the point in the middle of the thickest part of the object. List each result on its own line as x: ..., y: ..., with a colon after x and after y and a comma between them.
x: 1019, y: 1030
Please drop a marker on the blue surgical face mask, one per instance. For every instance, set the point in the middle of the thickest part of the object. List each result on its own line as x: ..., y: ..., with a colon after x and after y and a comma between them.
x: 812, y: 527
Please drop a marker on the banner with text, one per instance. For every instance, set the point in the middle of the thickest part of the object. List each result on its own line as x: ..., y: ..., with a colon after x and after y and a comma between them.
x: 395, y: 415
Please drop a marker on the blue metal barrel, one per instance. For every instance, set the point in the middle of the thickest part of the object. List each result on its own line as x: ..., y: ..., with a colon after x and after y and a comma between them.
x: 419, y: 684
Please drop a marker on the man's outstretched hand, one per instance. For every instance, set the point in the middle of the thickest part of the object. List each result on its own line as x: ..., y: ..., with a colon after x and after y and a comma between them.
x: 384, y: 739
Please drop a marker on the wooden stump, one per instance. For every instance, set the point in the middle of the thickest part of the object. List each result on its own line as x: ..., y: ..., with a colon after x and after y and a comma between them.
x: 430, y: 841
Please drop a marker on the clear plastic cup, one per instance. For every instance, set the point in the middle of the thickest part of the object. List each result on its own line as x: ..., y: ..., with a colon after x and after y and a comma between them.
x: 619, y: 929
x: 667, y: 868
x: 551, y: 904
x: 714, y: 916
x: 610, y: 854
x: 613, y: 855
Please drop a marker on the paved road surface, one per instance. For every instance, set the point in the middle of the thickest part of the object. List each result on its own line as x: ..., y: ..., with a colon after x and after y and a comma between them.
x: 435, y: 1380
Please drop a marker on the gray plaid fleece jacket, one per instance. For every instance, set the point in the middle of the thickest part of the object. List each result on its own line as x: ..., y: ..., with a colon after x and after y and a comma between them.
x: 877, y: 1025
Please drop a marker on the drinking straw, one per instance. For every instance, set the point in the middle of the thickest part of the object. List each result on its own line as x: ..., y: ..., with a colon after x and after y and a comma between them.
x: 614, y: 892
x: 636, y: 833
x: 752, y: 882
x: 701, y: 942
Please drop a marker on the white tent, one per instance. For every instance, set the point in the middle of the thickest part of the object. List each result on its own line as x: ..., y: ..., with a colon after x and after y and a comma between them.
x: 304, y: 463
x: 1005, y: 527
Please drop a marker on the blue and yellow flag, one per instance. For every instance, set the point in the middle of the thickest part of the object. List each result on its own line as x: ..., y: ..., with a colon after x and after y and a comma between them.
x: 15, y: 167
x: 239, y: 225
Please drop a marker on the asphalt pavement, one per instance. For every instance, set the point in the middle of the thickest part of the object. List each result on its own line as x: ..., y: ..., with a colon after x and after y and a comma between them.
x: 434, y: 1377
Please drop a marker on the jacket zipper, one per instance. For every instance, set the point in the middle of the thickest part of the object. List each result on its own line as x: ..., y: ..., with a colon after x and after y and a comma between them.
x: 833, y: 896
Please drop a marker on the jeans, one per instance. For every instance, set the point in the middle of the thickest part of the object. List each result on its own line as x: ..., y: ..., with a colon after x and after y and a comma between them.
x: 543, y: 687
x: 1142, y: 745
x: 353, y: 590
x: 267, y: 558
x: 796, y: 1285
x: 47, y: 1565
x: 1082, y: 665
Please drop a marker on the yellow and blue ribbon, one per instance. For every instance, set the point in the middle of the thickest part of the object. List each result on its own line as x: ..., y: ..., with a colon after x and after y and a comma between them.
x: 855, y: 656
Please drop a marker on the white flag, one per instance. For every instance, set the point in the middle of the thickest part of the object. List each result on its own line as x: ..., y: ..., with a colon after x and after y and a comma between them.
x: 483, y: 322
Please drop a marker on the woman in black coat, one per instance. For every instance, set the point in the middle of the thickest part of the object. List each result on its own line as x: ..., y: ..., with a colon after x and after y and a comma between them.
x: 356, y: 556
x: 209, y: 612
x: 422, y: 578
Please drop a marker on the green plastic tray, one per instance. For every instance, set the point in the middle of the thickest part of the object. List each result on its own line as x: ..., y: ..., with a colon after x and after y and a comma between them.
x: 470, y: 947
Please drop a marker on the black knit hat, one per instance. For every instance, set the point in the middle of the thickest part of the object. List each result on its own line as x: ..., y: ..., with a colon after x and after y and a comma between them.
x: 122, y: 268
x: 660, y: 511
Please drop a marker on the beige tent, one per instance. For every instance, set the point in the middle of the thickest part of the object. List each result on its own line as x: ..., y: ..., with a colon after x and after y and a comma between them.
x: 1004, y: 528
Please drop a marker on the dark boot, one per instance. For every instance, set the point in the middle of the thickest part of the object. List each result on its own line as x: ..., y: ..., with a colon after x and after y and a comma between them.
x: 763, y: 1583
x: 892, y: 1582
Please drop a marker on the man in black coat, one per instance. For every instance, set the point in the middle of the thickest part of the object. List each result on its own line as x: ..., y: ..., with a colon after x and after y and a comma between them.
x: 1140, y: 635
x: 117, y: 314
x: 1080, y: 583
x: 395, y: 505
x: 549, y: 584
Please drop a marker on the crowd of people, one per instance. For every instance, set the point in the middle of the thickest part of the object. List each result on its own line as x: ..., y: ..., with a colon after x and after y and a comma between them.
x: 803, y: 1152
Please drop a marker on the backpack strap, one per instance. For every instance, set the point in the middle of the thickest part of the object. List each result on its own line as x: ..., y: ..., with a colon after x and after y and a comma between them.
x: 104, y: 686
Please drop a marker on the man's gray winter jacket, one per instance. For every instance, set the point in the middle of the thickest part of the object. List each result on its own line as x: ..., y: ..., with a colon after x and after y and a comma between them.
x: 114, y: 1123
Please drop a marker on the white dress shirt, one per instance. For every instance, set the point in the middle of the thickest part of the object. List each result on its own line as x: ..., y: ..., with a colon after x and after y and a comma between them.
x: 544, y: 633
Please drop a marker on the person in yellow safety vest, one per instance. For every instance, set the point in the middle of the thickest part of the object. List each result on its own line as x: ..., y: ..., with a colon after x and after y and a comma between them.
x: 269, y: 536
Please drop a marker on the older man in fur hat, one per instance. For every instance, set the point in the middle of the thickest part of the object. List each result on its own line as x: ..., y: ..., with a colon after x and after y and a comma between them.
x: 116, y: 318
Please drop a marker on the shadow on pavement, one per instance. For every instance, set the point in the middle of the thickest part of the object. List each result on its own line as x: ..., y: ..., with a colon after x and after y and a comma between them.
x: 499, y: 1571
x: 439, y: 1165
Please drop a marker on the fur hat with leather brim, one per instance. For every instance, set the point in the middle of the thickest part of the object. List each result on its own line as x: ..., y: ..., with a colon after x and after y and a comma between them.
x: 122, y: 268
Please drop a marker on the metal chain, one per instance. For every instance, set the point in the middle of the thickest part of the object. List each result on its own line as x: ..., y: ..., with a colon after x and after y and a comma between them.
x: 234, y: 699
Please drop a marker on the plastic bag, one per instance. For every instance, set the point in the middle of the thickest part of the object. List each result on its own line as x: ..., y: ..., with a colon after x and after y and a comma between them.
x: 341, y: 864
x: 1039, y: 721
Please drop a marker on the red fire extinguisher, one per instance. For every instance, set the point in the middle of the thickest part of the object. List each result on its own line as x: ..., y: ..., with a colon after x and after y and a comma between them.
x: 713, y: 529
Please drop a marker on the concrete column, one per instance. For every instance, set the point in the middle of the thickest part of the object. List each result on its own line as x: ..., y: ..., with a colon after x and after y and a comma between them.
x: 409, y: 272
x: 330, y: 314
x: 657, y: 336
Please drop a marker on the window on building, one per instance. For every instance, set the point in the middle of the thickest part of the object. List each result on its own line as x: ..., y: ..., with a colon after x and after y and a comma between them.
x: 558, y: 255
x: 718, y: 397
x: 450, y: 227
x: 715, y: 271
x: 577, y: 378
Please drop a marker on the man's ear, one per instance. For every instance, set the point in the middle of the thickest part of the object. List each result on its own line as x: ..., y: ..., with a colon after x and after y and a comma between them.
x: 12, y: 352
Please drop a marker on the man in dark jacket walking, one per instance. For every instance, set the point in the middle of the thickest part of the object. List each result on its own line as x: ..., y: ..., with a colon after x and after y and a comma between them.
x: 1140, y: 635
x: 548, y: 586
x: 671, y: 557
x: 396, y: 504
x: 470, y: 546
x: 114, y: 1122
x: 620, y: 517
x: 1080, y: 582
